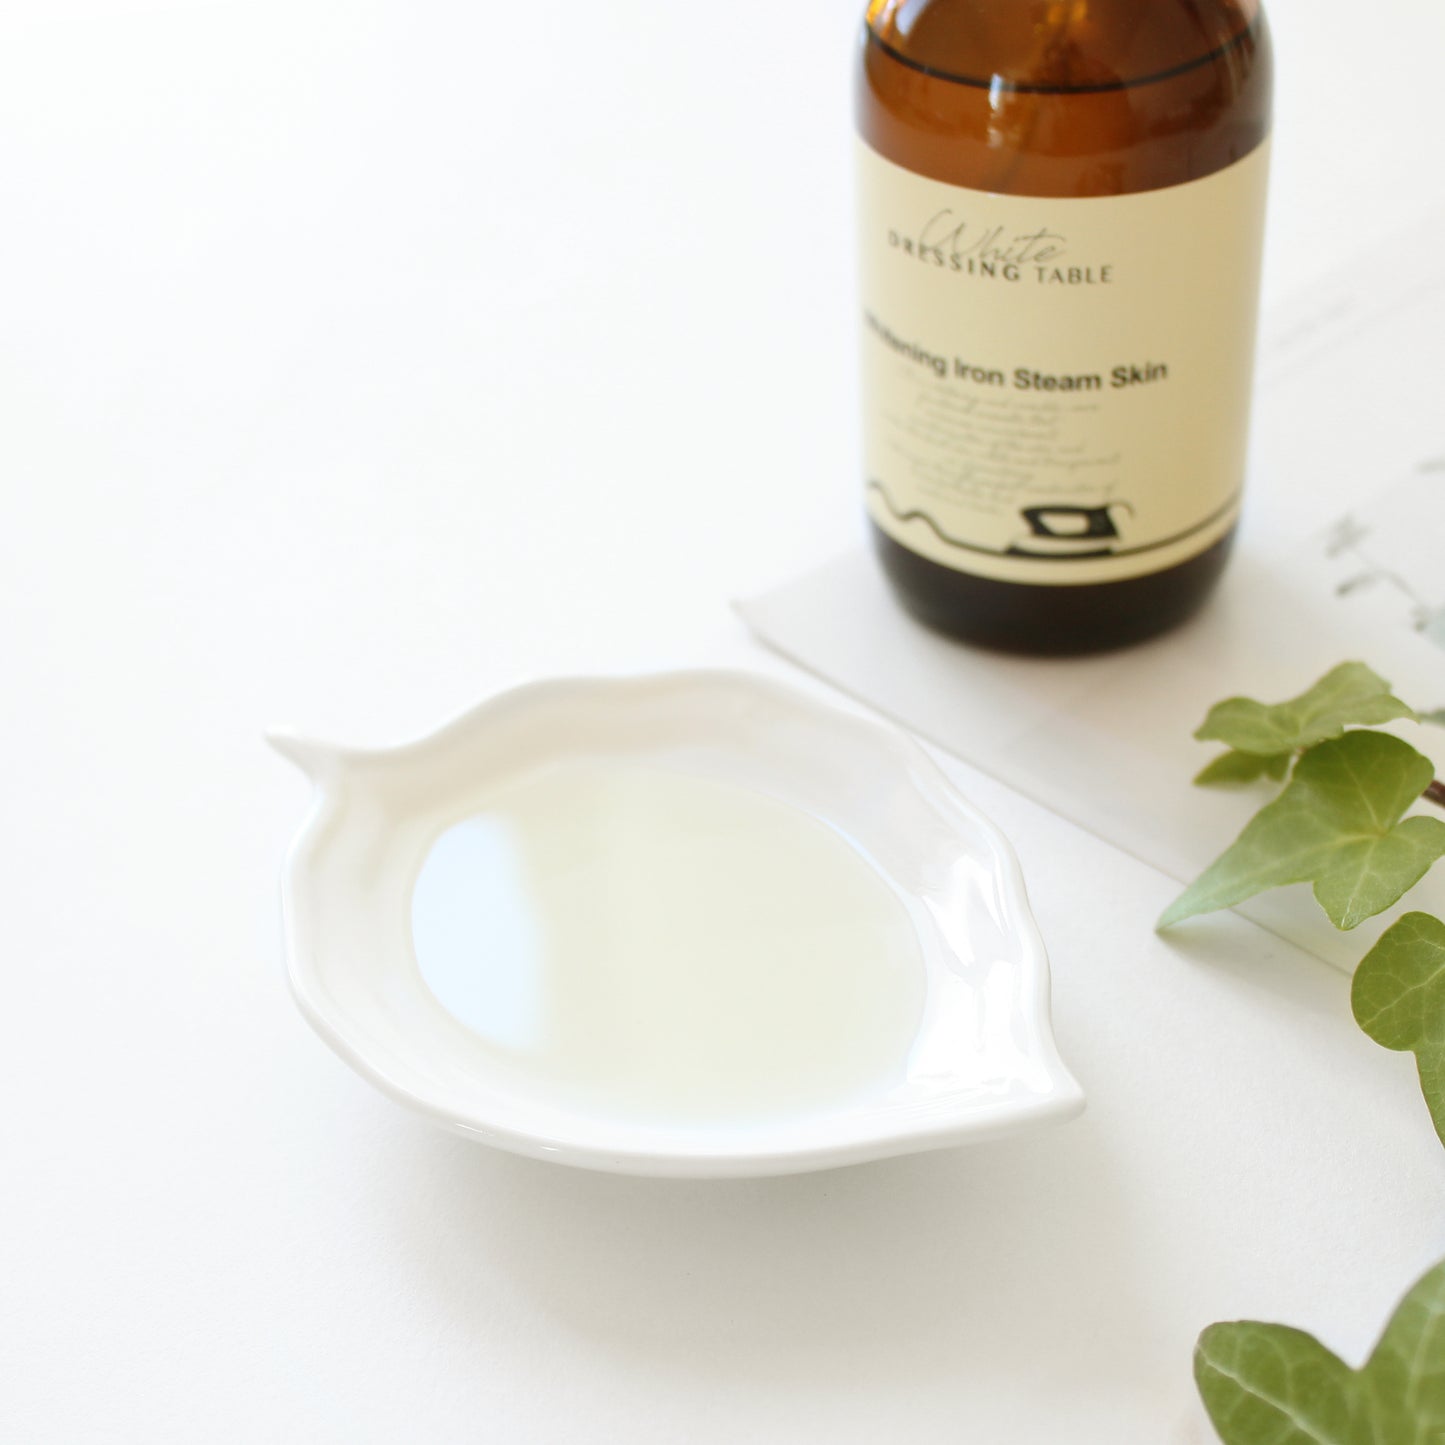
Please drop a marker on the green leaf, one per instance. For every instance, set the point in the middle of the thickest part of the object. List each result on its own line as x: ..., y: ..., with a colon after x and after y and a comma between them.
x: 1232, y: 769
x: 1399, y: 990
x: 1336, y: 825
x: 1406, y: 1373
x: 1272, y: 1385
x: 1348, y: 695
x: 1432, y: 1085
x: 1399, y: 1000
x: 1371, y: 874
x: 1436, y: 715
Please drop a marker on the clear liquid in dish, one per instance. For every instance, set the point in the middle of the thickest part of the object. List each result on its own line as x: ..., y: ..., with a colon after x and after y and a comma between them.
x: 677, y: 949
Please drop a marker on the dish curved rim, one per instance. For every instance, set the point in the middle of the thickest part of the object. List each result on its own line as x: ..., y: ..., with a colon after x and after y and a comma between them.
x: 940, y: 1123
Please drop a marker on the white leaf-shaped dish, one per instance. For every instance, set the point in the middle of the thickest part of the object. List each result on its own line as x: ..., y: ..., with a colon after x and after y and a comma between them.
x: 407, y: 959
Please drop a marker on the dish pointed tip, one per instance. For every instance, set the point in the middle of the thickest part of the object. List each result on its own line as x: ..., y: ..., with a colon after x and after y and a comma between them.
x: 316, y: 760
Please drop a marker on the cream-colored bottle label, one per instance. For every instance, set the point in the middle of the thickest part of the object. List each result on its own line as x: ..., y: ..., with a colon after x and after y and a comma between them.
x: 1056, y: 391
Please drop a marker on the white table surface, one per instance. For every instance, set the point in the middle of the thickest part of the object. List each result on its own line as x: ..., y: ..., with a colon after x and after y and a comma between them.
x: 359, y: 360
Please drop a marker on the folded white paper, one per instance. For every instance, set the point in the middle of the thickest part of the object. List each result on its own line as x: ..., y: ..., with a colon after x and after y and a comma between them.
x: 1342, y: 556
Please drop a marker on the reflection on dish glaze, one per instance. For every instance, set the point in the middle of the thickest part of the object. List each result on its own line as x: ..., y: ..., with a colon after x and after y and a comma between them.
x: 692, y: 951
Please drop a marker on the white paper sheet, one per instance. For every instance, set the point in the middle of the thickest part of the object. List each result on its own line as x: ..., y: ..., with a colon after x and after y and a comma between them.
x: 1342, y: 555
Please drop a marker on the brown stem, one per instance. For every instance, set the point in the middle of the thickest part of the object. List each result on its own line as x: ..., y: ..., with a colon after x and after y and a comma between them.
x: 1435, y: 793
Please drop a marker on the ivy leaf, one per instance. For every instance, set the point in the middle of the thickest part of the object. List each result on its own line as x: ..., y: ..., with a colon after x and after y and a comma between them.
x: 1233, y: 769
x: 1399, y: 1000
x: 1406, y: 1373
x: 1350, y: 694
x: 1336, y: 825
x: 1435, y: 715
x: 1272, y: 1385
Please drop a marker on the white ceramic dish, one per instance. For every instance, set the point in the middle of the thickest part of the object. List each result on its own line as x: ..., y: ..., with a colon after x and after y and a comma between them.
x: 981, y: 1060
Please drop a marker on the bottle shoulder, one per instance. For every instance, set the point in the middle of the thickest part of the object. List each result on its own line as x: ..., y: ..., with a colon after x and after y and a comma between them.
x: 1068, y: 97
x: 1063, y: 45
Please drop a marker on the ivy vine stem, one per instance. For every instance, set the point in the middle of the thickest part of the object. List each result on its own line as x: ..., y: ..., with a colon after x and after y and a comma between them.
x: 1435, y: 793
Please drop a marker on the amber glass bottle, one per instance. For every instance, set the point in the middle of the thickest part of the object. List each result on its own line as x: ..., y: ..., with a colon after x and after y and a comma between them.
x: 1061, y: 207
